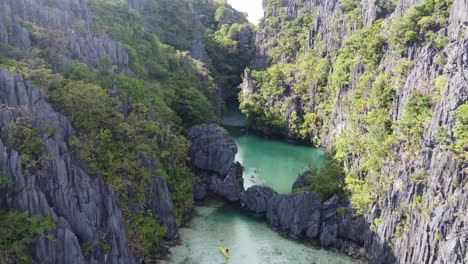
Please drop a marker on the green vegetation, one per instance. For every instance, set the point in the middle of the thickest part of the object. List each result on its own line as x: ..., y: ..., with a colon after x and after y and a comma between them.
x: 129, y: 127
x: 327, y: 180
x: 18, y: 232
x: 461, y: 132
x: 421, y: 22
x: 5, y: 182
x: 416, y: 114
x: 351, y: 83
x: 28, y: 139
x: 145, y: 234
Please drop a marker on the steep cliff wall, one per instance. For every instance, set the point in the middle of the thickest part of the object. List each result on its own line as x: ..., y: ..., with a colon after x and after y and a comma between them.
x: 130, y: 76
x: 383, y: 85
x: 89, y: 224
x: 69, y: 19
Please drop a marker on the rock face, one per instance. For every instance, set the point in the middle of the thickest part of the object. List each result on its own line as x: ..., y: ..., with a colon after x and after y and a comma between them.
x: 212, y: 149
x: 64, y: 15
x: 417, y: 221
x: 256, y: 199
x: 161, y: 204
x: 248, y: 86
x: 303, y: 216
x: 198, y: 51
x: 301, y: 181
x: 212, y: 153
x: 138, y: 5
x: 296, y: 214
x: 84, y: 209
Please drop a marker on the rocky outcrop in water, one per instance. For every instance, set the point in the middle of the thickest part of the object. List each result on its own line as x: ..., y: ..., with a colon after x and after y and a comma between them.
x: 212, y: 153
x: 212, y: 148
x: 256, y: 199
x: 84, y: 209
x: 301, y: 181
x: 303, y: 216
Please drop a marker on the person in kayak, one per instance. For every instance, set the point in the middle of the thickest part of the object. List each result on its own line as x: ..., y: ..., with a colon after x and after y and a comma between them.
x: 227, y: 251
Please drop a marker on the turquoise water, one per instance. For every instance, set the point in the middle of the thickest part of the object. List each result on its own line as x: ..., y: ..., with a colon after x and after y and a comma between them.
x: 251, y: 241
x: 274, y: 163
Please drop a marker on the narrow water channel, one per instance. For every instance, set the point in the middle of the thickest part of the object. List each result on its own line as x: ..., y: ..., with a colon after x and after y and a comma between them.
x: 251, y: 241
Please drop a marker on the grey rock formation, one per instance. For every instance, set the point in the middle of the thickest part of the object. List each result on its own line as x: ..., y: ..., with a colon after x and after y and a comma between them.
x: 301, y: 181
x: 138, y: 5
x: 436, y: 231
x: 84, y: 209
x: 297, y: 215
x: 212, y: 152
x: 72, y: 18
x: 256, y: 199
x: 199, y: 190
x: 303, y: 216
x: 248, y: 86
x: 159, y: 201
x: 230, y: 186
x: 212, y: 149
x: 198, y: 51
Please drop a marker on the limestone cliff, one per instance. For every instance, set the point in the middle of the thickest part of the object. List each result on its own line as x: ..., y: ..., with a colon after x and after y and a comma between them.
x: 323, y: 87
x: 84, y: 209
x: 71, y: 23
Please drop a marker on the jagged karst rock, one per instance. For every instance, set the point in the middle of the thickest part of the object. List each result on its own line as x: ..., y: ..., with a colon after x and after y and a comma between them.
x: 159, y: 200
x: 295, y: 214
x: 256, y: 199
x: 198, y: 51
x: 212, y: 149
x: 248, y: 86
x: 436, y: 232
x: 199, y: 190
x: 65, y: 15
x: 229, y: 186
x: 84, y: 209
x: 213, y: 152
x: 303, y: 216
x: 301, y: 181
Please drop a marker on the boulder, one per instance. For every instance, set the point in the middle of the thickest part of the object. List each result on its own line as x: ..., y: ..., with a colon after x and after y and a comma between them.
x: 230, y: 186
x: 199, y: 190
x: 212, y: 148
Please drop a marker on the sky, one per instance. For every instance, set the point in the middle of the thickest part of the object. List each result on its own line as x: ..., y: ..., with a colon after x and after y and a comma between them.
x: 251, y: 7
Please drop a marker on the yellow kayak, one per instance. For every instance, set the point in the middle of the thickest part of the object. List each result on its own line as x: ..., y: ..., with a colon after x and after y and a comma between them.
x: 223, y: 251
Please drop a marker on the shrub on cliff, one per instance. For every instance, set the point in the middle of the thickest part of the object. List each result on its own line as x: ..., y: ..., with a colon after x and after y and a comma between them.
x: 18, y: 232
x: 326, y: 180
